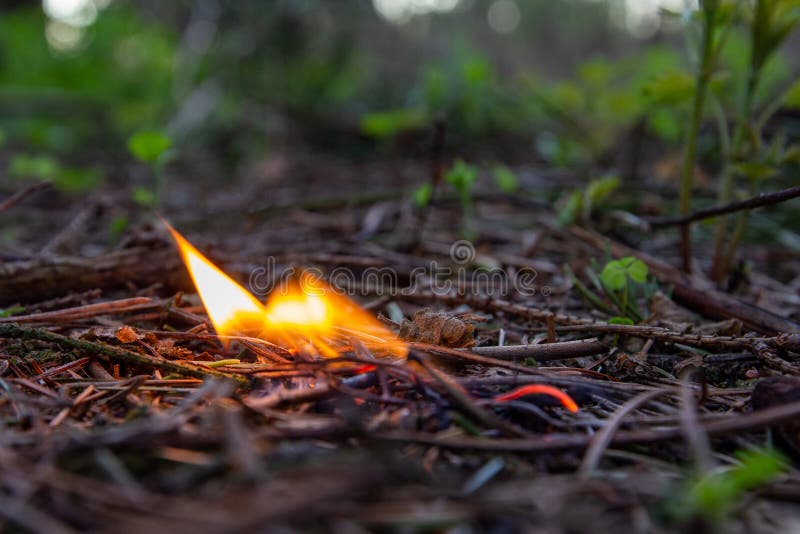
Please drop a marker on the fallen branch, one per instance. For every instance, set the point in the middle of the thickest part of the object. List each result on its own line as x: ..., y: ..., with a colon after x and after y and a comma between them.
x: 707, y: 302
x: 764, y: 199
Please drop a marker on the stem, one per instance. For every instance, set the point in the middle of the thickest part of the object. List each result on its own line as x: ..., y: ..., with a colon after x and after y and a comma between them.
x: 736, y: 237
x: 719, y: 263
x: 468, y: 215
x: 161, y: 186
x: 703, y: 77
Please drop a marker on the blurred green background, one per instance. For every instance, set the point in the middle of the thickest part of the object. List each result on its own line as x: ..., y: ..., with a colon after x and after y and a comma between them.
x: 557, y: 83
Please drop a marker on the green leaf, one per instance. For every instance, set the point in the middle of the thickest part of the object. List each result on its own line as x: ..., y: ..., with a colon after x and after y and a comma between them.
x: 143, y: 196
x: 792, y: 98
x: 422, y: 194
x: 570, y: 208
x: 506, y: 180
x: 118, y: 226
x: 613, y: 276
x: 462, y: 176
x: 7, y: 312
x: 42, y: 167
x: 149, y: 146
x: 597, y: 191
x: 670, y: 88
x: 756, y: 171
x: 637, y: 271
x: 2, y: 137
x: 616, y: 273
x: 77, y: 180
x: 715, y: 495
x: 621, y: 320
x: 388, y: 123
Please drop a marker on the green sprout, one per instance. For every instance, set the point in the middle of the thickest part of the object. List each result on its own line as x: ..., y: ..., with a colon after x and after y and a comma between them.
x: 153, y: 149
x: 579, y: 204
x: 714, y: 496
x: 619, y: 284
x: 462, y: 177
x: 505, y: 179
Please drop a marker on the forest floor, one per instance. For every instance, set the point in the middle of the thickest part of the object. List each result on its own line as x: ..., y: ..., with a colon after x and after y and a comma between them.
x: 117, y: 413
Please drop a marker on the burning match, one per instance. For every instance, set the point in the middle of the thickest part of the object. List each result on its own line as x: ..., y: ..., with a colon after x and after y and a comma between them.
x: 305, y: 311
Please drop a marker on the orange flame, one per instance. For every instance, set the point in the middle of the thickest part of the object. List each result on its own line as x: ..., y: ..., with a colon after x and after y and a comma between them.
x: 305, y: 312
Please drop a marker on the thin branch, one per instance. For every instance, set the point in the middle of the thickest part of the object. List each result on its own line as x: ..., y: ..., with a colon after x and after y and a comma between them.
x: 764, y: 199
x: 112, y: 354
x: 20, y: 196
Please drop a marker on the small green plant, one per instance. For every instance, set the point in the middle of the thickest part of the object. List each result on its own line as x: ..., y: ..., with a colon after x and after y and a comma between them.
x: 620, y: 283
x: 462, y: 177
x: 422, y: 195
x: 715, y: 23
x: 383, y: 124
x: 153, y: 149
x: 505, y: 179
x: 117, y: 226
x: 747, y: 156
x: 578, y: 205
x: 715, y: 495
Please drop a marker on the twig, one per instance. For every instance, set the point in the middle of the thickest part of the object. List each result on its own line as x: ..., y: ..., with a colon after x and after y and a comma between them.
x: 601, y: 440
x: 545, y: 352
x: 694, y: 434
x: 84, y: 312
x: 705, y: 301
x: 561, y: 442
x: 20, y: 195
x: 457, y: 393
x: 113, y: 354
x: 764, y: 199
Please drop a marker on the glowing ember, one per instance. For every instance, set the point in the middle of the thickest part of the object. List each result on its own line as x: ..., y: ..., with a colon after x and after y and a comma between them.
x: 304, y: 312
x: 540, y: 389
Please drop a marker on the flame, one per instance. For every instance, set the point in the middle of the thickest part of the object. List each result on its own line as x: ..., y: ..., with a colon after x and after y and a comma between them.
x: 305, y: 312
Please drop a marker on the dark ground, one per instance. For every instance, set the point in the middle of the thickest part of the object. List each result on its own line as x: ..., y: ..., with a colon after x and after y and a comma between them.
x: 110, y: 426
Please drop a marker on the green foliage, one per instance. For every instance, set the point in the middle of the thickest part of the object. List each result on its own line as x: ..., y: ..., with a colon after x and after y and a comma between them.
x: 149, y: 147
x: 8, y: 312
x: 621, y: 282
x: 383, y: 124
x: 422, y: 194
x: 117, y: 79
x: 621, y: 320
x: 715, y: 495
x: 40, y: 166
x: 143, y: 196
x: 77, y: 180
x: 462, y: 176
x: 617, y: 273
x: 2, y: 137
x: 45, y: 167
x: 673, y: 87
x: 578, y: 205
x: 118, y: 226
x: 505, y: 179
x: 585, y: 116
x: 152, y: 148
x: 791, y: 99
x: 750, y: 159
